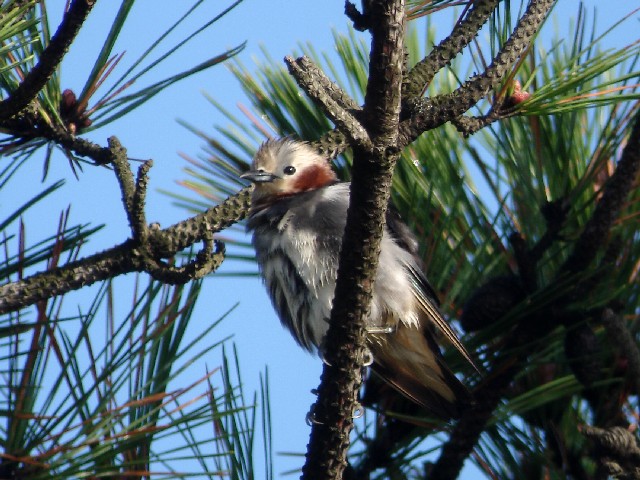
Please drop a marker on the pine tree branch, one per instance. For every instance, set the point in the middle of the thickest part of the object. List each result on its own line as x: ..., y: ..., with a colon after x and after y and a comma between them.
x: 370, y: 189
x: 488, y: 394
x: 127, y: 257
x: 149, y: 245
x: 29, y: 127
x: 326, y: 455
x: 335, y: 142
x: 430, y: 113
x: 333, y: 101
x: 361, y: 22
x: 330, y: 98
x: 51, y: 57
x: 309, y: 74
x: 421, y: 75
x: 426, y: 114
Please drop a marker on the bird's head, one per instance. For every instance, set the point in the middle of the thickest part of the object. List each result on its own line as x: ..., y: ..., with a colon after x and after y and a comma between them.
x: 285, y: 167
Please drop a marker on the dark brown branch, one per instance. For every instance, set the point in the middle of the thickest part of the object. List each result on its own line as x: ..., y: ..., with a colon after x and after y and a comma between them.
x: 28, y: 127
x: 183, y: 234
x: 123, y: 258
x: 615, y: 441
x: 383, y: 96
x: 49, y: 60
x: 615, y: 193
x: 467, y: 431
x: 133, y: 198
x: 370, y: 188
x: 77, y: 145
x: 360, y: 20
x: 157, y: 244
x: 125, y: 181
x: 73, y: 276
x: 421, y: 75
x: 138, y: 217
x: 428, y: 114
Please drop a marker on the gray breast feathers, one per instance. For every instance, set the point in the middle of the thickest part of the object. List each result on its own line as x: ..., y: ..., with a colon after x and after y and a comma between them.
x: 297, y: 240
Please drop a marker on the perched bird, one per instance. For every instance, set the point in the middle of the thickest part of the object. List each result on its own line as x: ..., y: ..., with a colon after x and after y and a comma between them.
x: 298, y: 215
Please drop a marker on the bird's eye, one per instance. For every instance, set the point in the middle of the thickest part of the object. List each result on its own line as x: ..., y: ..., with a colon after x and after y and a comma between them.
x: 289, y: 170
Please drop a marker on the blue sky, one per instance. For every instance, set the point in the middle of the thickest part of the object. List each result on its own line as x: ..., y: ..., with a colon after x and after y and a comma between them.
x: 152, y: 132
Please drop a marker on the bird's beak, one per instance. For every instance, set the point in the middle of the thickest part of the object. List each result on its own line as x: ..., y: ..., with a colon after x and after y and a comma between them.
x: 259, y: 176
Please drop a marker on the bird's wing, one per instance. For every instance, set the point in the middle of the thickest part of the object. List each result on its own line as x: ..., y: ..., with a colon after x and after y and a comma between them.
x: 423, y: 291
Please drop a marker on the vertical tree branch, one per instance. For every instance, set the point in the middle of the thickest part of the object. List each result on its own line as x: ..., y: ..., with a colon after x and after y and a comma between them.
x: 370, y: 188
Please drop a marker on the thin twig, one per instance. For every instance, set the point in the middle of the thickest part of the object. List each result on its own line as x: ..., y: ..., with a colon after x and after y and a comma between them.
x: 37, y: 129
x: 305, y: 71
x: 125, y: 180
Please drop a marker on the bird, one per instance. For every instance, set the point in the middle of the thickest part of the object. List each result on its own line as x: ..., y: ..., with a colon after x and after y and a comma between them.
x: 297, y: 218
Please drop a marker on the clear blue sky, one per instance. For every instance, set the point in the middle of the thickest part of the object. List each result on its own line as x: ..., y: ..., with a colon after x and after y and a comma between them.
x: 152, y: 132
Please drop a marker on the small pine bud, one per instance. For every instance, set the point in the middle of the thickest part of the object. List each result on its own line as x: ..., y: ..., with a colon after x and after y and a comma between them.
x: 515, y: 95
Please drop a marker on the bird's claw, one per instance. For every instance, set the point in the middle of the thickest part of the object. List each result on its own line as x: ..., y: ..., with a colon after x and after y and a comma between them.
x: 358, y: 411
x: 311, y: 418
x: 367, y: 358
